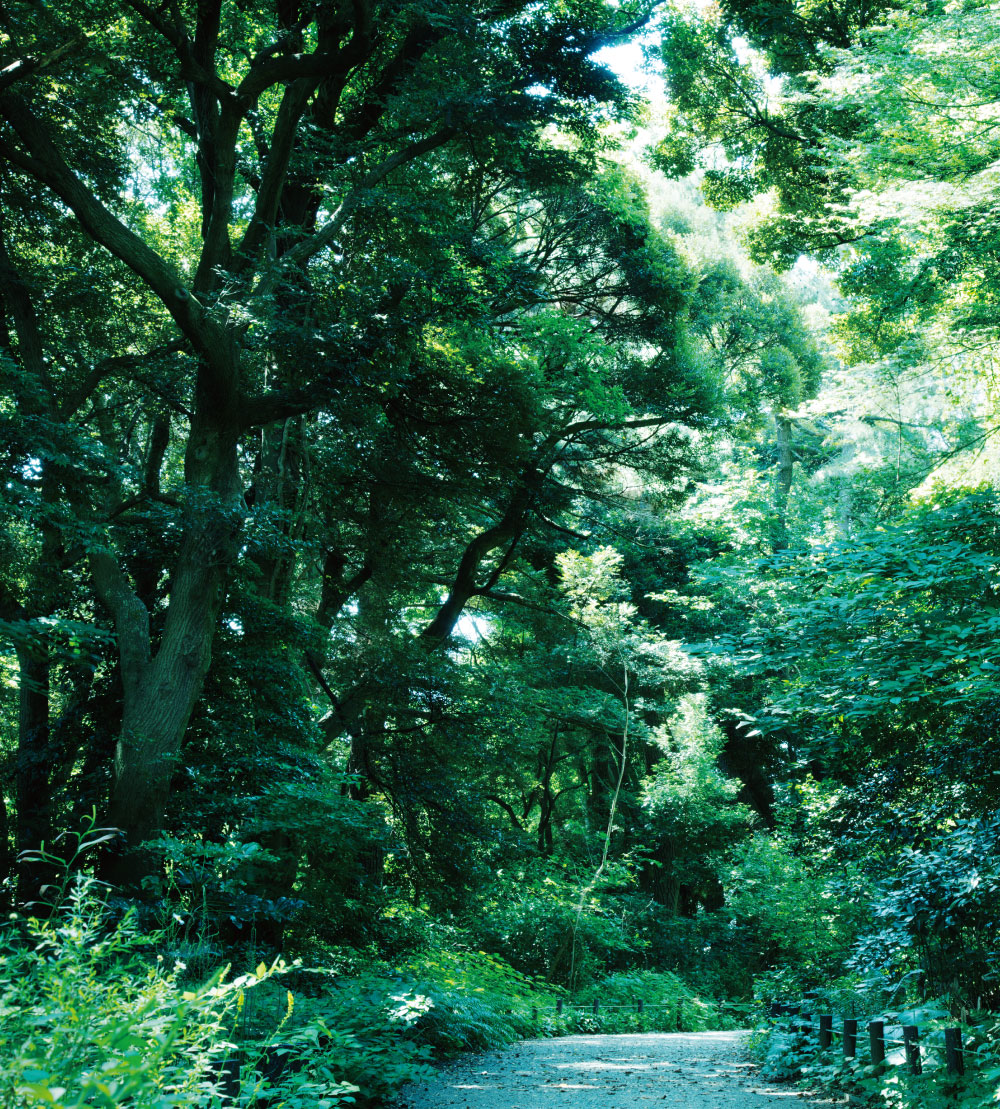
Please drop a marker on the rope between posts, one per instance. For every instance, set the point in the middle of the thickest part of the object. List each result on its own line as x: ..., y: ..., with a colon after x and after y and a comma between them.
x: 926, y: 1045
x: 588, y: 1005
x: 917, y: 1046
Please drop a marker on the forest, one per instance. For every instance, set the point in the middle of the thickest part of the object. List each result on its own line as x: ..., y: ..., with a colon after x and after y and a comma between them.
x: 499, y: 523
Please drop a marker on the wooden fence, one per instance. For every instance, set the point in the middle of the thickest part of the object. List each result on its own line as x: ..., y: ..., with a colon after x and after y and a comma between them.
x: 674, y: 1011
x: 951, y: 1047
x: 277, y: 1059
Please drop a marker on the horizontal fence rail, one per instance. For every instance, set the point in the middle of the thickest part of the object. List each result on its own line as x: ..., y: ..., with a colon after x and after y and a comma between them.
x: 951, y: 1047
x: 639, y: 1006
x: 274, y: 1060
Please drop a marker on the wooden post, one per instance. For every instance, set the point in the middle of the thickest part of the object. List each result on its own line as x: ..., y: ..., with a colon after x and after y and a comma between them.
x: 639, y: 1006
x: 596, y: 1006
x: 559, y: 1007
x: 953, y: 1050
x: 911, y: 1045
x: 850, y: 1038
x: 825, y: 1030
x: 876, y: 1041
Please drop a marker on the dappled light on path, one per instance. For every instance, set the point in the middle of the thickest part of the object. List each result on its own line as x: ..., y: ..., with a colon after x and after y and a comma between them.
x: 704, y: 1070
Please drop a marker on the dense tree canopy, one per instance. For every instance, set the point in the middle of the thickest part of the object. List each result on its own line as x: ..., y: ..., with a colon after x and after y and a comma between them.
x: 451, y: 501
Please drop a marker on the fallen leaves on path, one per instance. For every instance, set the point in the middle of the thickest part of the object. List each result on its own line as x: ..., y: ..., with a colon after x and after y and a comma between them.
x: 689, y: 1070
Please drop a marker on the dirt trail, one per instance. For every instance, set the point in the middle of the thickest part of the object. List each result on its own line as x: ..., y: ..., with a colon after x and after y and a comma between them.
x: 682, y: 1070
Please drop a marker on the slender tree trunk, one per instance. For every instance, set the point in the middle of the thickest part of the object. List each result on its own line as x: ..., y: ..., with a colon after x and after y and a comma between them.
x: 603, y: 775
x: 782, y: 481
x: 546, y: 808
x: 845, y: 491
x: 6, y: 855
x: 34, y: 803
x: 547, y: 800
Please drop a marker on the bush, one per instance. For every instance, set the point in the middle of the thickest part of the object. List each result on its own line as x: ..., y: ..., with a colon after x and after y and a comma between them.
x: 802, y: 922
x: 356, y: 1052
x: 939, y: 918
x: 786, y: 1053
x: 668, y: 1004
x: 714, y: 953
x: 541, y: 923
x: 88, y: 1017
x: 470, y: 1000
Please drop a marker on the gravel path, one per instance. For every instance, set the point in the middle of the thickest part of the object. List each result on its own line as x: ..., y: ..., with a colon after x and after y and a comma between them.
x: 686, y: 1070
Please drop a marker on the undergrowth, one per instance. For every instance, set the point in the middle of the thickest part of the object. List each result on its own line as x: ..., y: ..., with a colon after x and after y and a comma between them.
x: 789, y: 1052
x: 90, y: 1014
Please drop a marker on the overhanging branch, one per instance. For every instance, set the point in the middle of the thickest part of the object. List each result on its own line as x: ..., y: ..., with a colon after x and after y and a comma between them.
x: 42, y: 160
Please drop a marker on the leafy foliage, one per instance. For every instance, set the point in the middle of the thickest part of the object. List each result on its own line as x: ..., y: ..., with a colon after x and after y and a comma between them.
x: 444, y: 555
x: 88, y: 1015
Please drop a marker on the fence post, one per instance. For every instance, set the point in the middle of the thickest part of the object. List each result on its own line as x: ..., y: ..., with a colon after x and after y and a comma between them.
x: 638, y: 1006
x: 911, y: 1044
x: 596, y: 1006
x: 876, y: 1041
x: 559, y: 1007
x: 825, y: 1030
x: 850, y: 1038
x: 953, y: 1050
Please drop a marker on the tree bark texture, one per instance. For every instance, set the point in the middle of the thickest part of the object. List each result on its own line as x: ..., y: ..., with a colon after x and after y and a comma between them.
x: 160, y: 690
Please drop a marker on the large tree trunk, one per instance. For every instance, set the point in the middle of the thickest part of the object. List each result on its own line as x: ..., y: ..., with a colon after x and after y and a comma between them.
x: 659, y: 878
x: 34, y: 396
x: 160, y: 691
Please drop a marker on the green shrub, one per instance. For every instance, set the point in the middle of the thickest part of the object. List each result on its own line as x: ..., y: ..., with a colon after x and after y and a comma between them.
x: 88, y: 1017
x: 938, y: 917
x: 471, y: 1000
x: 669, y: 1005
x: 552, y: 924
x: 788, y: 1054
x: 714, y: 953
x: 355, y: 1054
